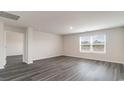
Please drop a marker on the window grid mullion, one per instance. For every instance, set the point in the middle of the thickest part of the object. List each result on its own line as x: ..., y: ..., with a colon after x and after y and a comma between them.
x: 91, y: 43
x: 92, y: 46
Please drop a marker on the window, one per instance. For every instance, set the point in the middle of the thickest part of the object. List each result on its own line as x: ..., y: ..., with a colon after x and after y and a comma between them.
x: 99, y: 42
x: 85, y: 43
x: 93, y: 43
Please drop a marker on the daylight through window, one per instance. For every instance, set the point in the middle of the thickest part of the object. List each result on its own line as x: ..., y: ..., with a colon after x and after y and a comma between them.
x: 93, y: 43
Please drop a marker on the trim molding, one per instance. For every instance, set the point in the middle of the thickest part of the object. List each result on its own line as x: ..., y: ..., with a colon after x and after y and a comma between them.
x: 2, y: 67
x: 112, y: 61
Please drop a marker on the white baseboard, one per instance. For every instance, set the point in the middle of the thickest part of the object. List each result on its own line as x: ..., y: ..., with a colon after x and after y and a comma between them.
x: 106, y: 60
x: 28, y: 62
x: 1, y: 67
x: 31, y: 62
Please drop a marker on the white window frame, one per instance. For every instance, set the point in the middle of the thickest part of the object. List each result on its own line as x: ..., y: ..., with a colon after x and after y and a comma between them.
x: 91, y: 44
x: 84, y: 44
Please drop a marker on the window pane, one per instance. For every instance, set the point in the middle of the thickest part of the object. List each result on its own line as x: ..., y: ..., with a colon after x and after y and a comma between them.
x: 98, y: 48
x: 99, y: 43
x: 98, y: 39
x: 85, y: 47
x: 85, y: 43
x: 85, y: 40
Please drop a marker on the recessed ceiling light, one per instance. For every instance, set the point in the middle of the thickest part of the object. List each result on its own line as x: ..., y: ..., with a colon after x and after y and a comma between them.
x: 71, y: 27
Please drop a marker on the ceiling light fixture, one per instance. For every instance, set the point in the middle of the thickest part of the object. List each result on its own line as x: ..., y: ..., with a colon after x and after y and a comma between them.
x: 71, y: 27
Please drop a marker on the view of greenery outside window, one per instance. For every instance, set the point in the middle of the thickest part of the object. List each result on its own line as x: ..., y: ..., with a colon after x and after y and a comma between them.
x: 99, y: 42
x: 94, y: 43
x: 85, y: 44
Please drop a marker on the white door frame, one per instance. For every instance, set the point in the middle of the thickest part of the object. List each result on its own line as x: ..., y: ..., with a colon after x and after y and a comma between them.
x: 28, y: 46
x: 28, y: 37
x: 6, y: 40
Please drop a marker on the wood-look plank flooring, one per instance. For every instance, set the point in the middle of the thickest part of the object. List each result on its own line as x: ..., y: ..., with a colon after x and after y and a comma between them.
x: 61, y: 69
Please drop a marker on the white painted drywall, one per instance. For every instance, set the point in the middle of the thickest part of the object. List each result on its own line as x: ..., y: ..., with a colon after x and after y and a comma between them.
x: 114, y: 46
x: 2, y: 46
x: 28, y: 46
x: 46, y: 45
x: 14, y: 43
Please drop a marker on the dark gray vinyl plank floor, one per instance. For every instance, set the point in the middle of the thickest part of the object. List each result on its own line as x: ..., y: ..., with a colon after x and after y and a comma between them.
x: 61, y: 69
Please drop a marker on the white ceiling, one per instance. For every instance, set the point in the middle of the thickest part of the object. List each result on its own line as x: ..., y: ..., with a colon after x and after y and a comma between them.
x: 60, y: 22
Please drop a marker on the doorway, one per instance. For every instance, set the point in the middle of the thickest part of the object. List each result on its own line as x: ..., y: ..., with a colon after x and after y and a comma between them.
x: 14, y: 47
x: 27, y: 44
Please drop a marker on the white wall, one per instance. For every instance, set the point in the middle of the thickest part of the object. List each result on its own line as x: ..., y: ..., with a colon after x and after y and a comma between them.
x: 2, y: 46
x: 114, y: 51
x: 46, y: 45
x: 14, y: 41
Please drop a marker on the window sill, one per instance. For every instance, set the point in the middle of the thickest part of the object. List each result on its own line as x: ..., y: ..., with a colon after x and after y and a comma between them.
x: 93, y: 52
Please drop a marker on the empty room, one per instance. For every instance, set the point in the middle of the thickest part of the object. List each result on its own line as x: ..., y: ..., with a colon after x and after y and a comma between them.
x: 61, y: 46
